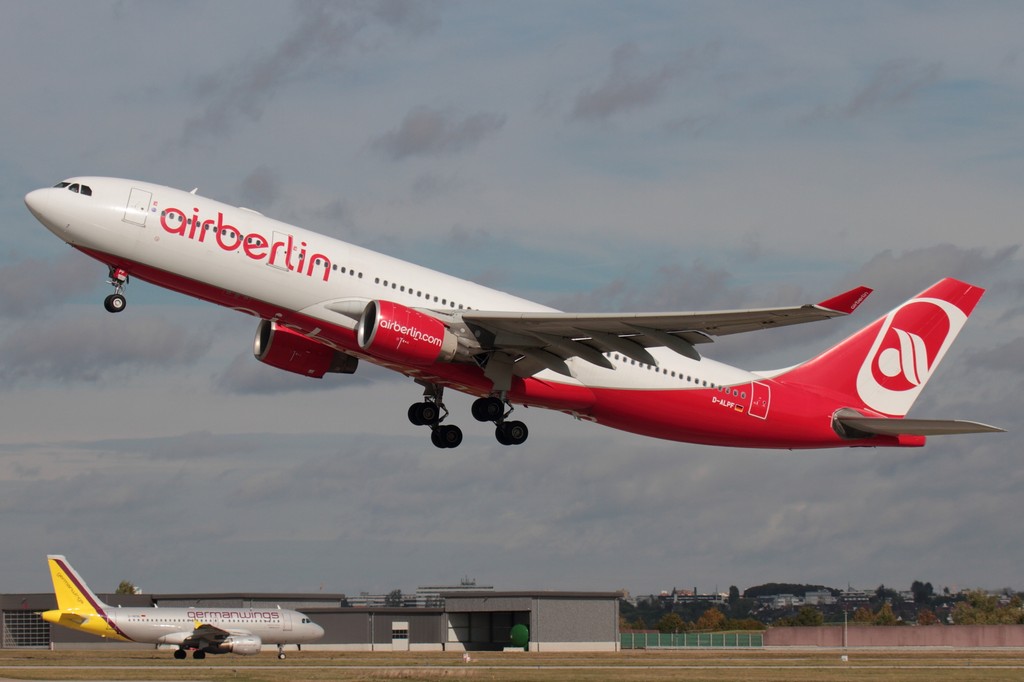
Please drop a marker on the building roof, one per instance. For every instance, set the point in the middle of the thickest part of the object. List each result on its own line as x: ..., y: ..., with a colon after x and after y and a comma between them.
x: 531, y: 594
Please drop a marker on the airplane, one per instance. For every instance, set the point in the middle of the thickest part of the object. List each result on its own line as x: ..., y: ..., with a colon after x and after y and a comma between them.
x: 324, y: 305
x: 213, y: 630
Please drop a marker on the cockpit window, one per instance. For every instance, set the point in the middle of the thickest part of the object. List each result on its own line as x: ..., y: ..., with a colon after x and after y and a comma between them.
x: 76, y: 188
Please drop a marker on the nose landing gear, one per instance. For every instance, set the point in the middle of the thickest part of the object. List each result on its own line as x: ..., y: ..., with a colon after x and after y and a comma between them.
x: 116, y: 302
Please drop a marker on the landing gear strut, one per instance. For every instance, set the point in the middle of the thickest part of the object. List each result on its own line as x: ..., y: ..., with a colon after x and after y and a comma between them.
x: 280, y: 651
x: 431, y: 412
x: 492, y: 409
x: 116, y: 302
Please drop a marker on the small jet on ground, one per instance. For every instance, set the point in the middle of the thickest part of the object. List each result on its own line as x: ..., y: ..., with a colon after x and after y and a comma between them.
x: 325, y: 305
x: 214, y: 630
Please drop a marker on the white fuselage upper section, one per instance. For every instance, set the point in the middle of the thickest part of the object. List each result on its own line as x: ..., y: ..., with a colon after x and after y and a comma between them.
x: 264, y: 260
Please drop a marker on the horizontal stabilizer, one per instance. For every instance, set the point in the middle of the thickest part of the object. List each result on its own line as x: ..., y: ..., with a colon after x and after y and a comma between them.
x: 64, y: 618
x: 914, y: 427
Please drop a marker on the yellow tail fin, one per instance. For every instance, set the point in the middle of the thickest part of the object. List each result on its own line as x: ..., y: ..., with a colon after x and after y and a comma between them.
x: 77, y: 607
x: 71, y: 591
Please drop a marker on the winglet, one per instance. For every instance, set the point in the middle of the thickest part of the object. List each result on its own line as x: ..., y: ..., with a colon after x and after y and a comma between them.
x: 846, y: 303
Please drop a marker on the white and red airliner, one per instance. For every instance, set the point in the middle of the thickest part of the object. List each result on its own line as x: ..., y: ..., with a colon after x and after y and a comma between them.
x: 324, y: 305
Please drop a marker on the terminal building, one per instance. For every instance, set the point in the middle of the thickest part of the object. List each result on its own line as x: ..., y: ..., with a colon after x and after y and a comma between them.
x: 461, y: 620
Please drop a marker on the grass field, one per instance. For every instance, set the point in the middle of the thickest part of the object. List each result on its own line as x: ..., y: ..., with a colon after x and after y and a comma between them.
x: 964, y: 665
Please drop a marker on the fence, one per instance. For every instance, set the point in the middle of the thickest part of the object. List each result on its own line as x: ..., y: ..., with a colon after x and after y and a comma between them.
x: 692, y: 640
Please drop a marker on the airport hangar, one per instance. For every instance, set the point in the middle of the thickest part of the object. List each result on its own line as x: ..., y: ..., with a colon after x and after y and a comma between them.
x: 467, y: 621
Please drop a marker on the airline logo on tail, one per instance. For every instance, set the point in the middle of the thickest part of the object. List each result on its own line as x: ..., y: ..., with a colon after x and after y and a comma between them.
x: 910, y: 344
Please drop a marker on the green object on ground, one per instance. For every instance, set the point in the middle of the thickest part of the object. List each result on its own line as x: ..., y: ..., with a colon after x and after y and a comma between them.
x: 520, y: 635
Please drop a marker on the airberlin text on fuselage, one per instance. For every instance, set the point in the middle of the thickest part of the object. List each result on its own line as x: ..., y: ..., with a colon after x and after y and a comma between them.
x: 254, y: 245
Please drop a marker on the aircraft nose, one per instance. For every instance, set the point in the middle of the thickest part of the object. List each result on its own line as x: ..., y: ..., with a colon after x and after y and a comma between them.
x: 36, y: 201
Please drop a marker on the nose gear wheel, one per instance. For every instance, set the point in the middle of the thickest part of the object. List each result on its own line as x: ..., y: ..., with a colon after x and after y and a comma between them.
x: 116, y: 302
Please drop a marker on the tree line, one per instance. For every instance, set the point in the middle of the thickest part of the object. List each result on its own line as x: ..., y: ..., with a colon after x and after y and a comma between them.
x: 883, y: 607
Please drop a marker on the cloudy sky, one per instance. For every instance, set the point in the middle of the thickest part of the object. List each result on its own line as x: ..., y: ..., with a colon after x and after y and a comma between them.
x: 594, y: 156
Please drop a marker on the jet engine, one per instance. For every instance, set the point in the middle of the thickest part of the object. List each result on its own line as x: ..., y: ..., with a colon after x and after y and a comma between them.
x: 289, y: 350
x: 394, y: 332
x: 244, y: 645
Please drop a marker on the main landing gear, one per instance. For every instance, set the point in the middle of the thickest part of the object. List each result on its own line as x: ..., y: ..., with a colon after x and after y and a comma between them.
x: 116, y: 302
x: 431, y: 412
x: 492, y: 409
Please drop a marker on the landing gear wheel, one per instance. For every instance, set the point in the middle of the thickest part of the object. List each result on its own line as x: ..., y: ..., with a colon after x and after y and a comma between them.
x: 425, y: 413
x: 446, y: 436
x: 115, y: 303
x: 487, y: 409
x: 511, y: 433
x: 180, y: 654
x: 280, y: 654
x: 199, y: 654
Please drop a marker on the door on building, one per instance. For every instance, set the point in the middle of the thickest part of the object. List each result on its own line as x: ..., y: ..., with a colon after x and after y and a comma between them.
x: 400, y: 636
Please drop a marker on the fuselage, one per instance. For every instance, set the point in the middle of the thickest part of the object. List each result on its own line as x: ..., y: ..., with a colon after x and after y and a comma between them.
x: 175, y: 625
x: 245, y: 261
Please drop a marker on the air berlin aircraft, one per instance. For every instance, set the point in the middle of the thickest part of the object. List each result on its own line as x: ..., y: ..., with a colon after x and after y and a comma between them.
x: 324, y: 305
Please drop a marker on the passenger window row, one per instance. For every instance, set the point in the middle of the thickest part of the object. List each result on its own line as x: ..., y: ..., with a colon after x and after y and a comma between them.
x: 420, y: 294
x: 683, y: 377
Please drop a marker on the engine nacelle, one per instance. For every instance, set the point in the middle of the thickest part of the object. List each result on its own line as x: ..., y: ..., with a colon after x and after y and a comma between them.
x: 244, y: 645
x: 395, y: 332
x: 289, y: 350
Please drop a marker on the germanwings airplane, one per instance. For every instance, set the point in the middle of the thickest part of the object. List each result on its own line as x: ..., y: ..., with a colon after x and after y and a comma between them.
x: 203, y: 630
x: 324, y: 305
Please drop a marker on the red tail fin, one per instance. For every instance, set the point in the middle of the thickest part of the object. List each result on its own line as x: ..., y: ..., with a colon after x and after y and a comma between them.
x: 884, y: 366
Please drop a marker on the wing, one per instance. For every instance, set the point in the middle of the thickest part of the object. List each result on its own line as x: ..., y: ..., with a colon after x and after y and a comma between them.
x: 547, y: 339
x: 206, y: 635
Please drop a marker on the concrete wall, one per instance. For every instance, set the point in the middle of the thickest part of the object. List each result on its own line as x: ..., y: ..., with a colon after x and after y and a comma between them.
x: 574, y: 620
x: 951, y: 636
